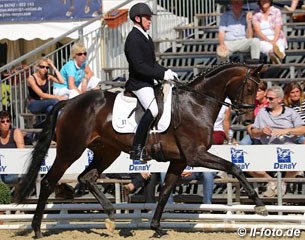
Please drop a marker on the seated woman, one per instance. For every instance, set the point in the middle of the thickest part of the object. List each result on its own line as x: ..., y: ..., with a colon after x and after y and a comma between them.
x: 78, y: 77
x: 9, y: 138
x: 267, y: 24
x: 40, y: 100
x: 295, y: 98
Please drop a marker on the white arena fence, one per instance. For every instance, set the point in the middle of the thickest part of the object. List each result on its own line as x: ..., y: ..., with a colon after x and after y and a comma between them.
x: 188, y: 216
x: 207, y: 217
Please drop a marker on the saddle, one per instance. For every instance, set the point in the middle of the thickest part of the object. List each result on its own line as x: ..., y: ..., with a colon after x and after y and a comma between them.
x: 127, y: 112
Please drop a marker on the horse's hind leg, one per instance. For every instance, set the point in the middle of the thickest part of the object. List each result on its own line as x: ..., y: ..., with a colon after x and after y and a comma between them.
x: 209, y: 160
x: 89, y: 178
x: 92, y: 173
x: 48, y: 184
x: 173, y: 173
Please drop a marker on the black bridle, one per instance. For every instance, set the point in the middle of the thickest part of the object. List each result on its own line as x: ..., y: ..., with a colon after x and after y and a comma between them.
x: 239, y: 107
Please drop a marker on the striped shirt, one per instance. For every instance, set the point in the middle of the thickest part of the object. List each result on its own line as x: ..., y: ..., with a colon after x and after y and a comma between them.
x: 300, y: 109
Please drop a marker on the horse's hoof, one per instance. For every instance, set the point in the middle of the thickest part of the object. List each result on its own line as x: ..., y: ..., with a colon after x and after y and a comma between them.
x: 159, y: 232
x: 38, y: 234
x: 110, y: 225
x: 261, y: 210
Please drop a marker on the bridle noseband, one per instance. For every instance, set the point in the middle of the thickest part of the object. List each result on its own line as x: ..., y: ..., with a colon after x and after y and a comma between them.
x: 239, y: 107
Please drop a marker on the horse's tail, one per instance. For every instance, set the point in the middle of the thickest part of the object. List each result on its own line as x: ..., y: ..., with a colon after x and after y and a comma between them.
x: 39, y: 152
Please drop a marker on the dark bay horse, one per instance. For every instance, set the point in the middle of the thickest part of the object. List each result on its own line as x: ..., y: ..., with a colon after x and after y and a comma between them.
x: 85, y: 122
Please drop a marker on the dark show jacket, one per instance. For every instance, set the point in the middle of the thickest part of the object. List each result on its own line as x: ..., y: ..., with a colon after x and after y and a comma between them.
x: 143, y: 67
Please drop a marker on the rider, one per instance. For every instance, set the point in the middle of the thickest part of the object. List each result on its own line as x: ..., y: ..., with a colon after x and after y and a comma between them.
x: 143, y: 69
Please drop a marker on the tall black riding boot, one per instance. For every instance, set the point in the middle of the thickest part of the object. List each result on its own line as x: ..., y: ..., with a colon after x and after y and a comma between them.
x: 141, y: 135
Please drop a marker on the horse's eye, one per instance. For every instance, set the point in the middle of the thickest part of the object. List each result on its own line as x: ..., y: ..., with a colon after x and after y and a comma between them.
x: 249, y: 90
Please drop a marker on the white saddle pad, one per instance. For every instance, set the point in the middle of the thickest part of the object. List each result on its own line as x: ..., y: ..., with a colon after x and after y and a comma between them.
x: 124, y: 105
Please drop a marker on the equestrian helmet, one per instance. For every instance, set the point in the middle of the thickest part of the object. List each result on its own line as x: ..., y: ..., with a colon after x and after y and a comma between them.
x: 139, y: 9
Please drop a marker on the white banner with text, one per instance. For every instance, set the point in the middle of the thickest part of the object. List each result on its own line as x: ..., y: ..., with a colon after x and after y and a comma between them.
x: 247, y: 157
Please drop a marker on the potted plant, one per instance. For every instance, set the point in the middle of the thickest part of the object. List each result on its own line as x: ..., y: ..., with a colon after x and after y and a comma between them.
x: 5, y: 194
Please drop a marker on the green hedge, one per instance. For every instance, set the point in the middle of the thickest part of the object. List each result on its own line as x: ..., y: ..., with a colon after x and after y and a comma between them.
x: 5, y: 194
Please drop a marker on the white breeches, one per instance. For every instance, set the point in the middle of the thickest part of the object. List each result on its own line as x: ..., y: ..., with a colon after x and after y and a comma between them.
x: 146, y: 96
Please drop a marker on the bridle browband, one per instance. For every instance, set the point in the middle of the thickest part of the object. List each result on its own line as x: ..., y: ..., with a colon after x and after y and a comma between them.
x: 236, y: 106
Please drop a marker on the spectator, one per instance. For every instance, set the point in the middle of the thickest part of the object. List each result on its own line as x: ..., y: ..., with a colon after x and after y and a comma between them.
x: 293, y: 6
x: 143, y: 69
x: 147, y: 181
x: 295, y: 98
x: 260, y: 102
x: 78, y: 77
x: 276, y: 124
x: 9, y: 138
x: 267, y: 23
x: 40, y: 100
x: 236, y: 33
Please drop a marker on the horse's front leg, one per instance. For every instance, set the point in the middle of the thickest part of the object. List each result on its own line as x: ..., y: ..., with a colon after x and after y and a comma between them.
x: 208, y: 160
x: 173, y: 173
x: 88, y: 178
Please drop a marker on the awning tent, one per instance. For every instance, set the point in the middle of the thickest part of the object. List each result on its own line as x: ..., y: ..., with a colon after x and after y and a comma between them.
x: 42, y: 30
x: 22, y: 38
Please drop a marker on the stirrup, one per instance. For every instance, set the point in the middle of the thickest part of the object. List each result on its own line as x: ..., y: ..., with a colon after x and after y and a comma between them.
x: 139, y: 153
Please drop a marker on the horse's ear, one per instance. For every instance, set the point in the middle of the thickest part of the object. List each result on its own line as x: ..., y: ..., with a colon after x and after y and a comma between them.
x: 261, y: 68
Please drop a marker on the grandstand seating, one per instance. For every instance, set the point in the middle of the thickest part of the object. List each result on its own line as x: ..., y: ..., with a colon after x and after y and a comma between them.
x: 195, y: 47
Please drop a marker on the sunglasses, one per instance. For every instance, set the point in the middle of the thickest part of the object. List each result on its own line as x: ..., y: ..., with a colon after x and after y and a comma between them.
x: 46, y: 67
x: 81, y: 53
x: 270, y: 98
x: 5, y: 121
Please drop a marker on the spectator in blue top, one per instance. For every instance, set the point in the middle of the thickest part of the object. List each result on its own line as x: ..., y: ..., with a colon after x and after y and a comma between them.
x: 77, y: 74
x: 236, y: 33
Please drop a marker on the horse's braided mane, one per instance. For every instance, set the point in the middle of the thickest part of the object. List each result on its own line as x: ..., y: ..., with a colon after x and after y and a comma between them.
x: 215, y: 69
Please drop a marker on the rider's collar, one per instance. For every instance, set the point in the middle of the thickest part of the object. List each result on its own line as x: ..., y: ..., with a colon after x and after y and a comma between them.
x: 142, y: 31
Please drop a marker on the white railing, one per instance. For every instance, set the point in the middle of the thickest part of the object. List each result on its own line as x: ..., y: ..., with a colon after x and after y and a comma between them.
x: 232, y: 218
x: 260, y: 157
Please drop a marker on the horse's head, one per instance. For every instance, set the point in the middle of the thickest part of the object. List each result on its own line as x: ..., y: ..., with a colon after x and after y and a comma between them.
x: 242, y: 88
x: 237, y: 81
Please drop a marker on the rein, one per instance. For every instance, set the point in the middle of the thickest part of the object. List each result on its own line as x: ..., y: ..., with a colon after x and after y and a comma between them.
x: 235, y: 106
